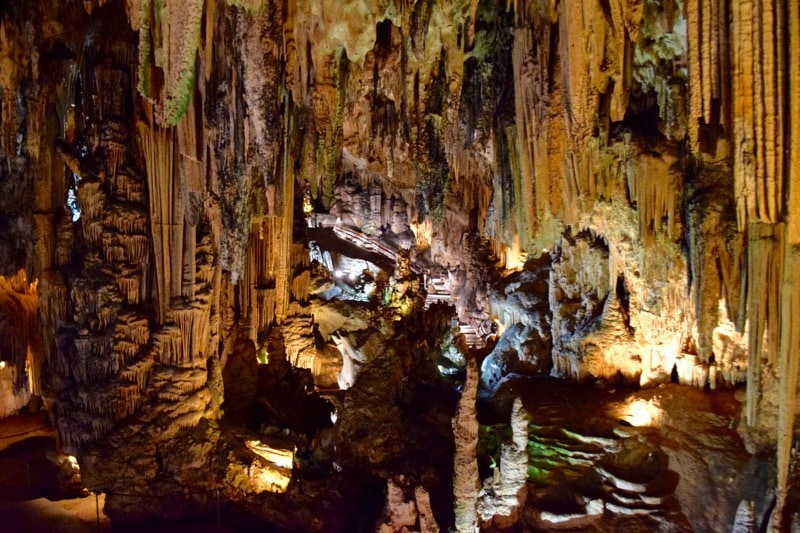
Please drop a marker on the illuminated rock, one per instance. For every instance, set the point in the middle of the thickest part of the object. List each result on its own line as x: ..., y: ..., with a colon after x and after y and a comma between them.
x: 503, y: 495
x: 164, y: 165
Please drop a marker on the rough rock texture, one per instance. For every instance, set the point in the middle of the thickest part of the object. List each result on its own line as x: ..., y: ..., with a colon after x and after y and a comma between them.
x: 522, y: 307
x: 407, y: 515
x: 627, y: 464
x: 166, y: 165
x: 21, y: 345
x: 503, y: 495
x: 466, y: 480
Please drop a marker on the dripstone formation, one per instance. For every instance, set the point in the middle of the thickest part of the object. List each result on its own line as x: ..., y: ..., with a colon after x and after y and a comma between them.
x: 303, y: 253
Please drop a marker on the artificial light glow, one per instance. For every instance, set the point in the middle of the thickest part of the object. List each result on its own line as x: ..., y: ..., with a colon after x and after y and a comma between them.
x: 72, y: 203
x: 2, y: 364
x: 275, y: 471
x: 273, y: 481
x: 73, y: 462
x: 448, y: 371
x: 262, y: 355
x: 334, y: 417
x: 515, y: 257
x: 278, y: 456
x: 338, y: 274
x: 422, y: 233
x: 642, y: 413
x: 353, y: 276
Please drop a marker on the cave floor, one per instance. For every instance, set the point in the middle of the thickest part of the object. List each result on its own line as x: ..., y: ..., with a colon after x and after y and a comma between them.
x: 662, y: 459
x: 30, y: 496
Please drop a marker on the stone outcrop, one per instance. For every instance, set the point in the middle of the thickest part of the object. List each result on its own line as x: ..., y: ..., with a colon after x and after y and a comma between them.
x: 407, y: 515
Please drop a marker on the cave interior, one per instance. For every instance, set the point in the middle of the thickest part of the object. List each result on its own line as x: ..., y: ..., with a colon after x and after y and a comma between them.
x: 407, y: 265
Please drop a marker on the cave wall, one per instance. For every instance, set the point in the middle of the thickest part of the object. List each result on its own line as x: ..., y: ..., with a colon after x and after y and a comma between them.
x: 647, y: 147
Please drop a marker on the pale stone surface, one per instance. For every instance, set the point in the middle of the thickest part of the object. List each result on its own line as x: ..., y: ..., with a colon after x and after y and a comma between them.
x: 503, y: 496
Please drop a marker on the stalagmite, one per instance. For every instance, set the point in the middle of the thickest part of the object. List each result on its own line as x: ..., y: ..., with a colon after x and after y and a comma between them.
x: 400, y: 514
x: 745, y: 520
x: 465, y: 476
x: 504, y: 495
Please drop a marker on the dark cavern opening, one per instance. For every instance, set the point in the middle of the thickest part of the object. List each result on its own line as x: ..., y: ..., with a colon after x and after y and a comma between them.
x: 400, y: 265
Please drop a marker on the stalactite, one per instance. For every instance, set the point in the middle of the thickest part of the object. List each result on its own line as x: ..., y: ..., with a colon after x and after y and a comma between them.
x: 285, y: 233
x: 78, y: 429
x: 194, y: 325
x: 93, y: 231
x: 174, y: 384
x: 790, y: 282
x: 169, y: 36
x: 758, y: 133
x: 299, y: 259
x: 540, y: 138
x: 52, y: 308
x: 562, y: 166
x: 126, y: 220
x: 655, y: 193
x: 265, y: 312
x: 157, y: 146
x: 15, y: 60
x: 19, y: 305
x: 129, y: 286
x: 789, y: 365
x: 300, y: 287
x: 137, y: 373
x: 707, y: 32
x: 765, y: 264
x: 91, y: 199
x: 170, y: 346
x: 791, y: 115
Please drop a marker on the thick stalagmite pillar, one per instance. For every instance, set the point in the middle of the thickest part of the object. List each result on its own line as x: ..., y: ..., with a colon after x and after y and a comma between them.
x: 466, y: 481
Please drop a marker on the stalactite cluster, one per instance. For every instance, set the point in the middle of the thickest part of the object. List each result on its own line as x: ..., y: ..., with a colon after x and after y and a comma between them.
x: 609, y: 186
x: 740, y: 81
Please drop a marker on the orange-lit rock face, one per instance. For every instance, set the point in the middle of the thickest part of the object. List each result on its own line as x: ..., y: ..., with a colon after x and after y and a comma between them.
x: 20, y: 344
x: 603, y: 191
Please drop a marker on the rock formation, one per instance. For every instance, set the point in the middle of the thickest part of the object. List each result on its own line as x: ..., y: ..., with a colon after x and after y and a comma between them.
x: 206, y: 204
x: 503, y: 495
